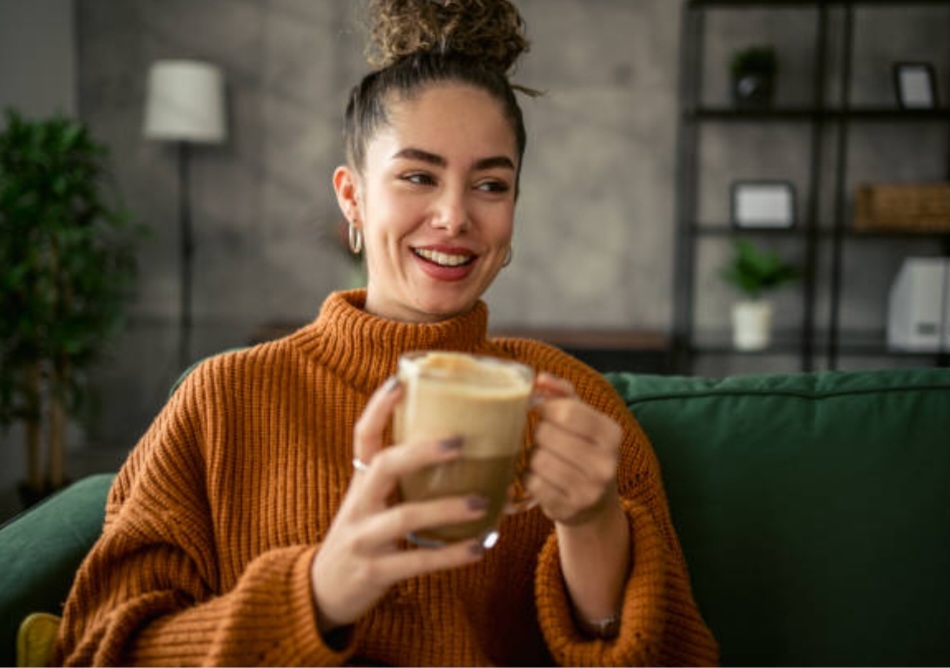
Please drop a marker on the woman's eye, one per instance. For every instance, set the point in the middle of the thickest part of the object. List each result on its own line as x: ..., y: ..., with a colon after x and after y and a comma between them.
x: 493, y: 186
x: 419, y: 179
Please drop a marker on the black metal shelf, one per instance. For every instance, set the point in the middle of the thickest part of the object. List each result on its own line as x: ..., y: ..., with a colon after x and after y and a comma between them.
x: 724, y: 229
x: 892, y: 235
x: 727, y: 230
x: 872, y: 343
x: 812, y: 115
x: 719, y: 342
x: 805, y: 4
x: 824, y: 120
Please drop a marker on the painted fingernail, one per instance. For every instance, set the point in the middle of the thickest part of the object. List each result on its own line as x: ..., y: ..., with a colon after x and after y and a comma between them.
x: 451, y: 444
x: 391, y: 384
x: 477, y: 549
x: 477, y: 502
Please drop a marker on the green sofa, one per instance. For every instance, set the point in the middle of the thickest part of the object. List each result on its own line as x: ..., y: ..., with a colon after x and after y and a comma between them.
x: 814, y: 510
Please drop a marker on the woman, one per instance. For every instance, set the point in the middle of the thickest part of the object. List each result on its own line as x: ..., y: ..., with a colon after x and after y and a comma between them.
x: 238, y: 532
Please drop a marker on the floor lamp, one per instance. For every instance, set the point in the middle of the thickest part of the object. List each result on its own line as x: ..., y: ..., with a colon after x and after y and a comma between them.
x: 185, y: 105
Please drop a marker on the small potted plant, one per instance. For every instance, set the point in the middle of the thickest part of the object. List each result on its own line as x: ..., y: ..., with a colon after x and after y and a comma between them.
x: 66, y: 268
x: 754, y: 272
x: 753, y: 77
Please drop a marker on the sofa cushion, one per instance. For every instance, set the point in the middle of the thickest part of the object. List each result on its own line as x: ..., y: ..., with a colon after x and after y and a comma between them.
x: 40, y: 552
x: 814, y: 510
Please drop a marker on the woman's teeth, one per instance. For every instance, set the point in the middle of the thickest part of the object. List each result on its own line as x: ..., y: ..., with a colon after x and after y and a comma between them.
x: 443, y: 259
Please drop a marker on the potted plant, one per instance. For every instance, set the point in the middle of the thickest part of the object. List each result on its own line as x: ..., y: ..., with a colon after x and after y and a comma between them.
x: 754, y: 273
x: 66, y: 268
x: 753, y: 76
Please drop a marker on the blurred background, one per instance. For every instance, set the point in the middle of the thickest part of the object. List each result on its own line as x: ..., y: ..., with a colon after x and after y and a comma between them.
x: 627, y: 164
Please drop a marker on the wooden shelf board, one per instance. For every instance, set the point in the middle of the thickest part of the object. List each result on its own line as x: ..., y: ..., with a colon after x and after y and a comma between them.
x: 591, y: 339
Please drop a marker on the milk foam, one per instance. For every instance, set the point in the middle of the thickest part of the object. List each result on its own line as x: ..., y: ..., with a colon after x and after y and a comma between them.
x: 452, y: 394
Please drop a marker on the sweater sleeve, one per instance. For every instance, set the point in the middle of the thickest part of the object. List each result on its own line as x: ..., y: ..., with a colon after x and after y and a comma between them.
x: 150, y: 593
x: 660, y: 623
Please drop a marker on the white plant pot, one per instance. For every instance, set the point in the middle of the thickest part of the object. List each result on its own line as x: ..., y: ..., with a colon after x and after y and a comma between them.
x: 751, y: 324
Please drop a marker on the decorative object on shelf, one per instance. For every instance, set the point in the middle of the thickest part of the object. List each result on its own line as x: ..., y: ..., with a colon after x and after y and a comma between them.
x: 918, y: 312
x: 67, y: 265
x: 753, y: 77
x: 915, y: 85
x: 762, y: 204
x: 185, y: 105
x: 754, y: 273
x: 901, y: 207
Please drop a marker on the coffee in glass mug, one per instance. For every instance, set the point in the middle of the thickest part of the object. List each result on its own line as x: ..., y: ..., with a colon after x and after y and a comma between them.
x: 485, y: 401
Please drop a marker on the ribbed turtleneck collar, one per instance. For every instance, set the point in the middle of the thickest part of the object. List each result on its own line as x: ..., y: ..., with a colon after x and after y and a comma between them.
x: 363, y: 348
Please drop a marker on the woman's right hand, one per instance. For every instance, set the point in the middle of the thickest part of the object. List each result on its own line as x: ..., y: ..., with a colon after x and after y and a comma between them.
x: 360, y: 558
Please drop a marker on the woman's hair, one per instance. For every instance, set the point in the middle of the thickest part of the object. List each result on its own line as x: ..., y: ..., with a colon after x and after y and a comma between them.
x: 416, y: 43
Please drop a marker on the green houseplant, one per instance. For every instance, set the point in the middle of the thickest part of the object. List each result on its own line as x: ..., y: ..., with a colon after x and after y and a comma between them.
x: 754, y: 273
x: 753, y: 76
x: 66, y: 268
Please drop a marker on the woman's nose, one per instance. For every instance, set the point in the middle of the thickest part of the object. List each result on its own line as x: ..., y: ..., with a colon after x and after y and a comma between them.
x: 451, y: 212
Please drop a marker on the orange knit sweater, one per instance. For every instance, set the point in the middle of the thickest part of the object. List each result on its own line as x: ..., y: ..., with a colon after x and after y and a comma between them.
x: 214, y: 519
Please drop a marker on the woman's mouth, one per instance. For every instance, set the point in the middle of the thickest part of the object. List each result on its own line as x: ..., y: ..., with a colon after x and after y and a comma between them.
x: 444, y: 259
x: 446, y: 264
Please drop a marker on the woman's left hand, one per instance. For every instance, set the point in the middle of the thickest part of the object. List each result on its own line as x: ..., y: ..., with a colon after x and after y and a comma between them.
x: 573, y: 470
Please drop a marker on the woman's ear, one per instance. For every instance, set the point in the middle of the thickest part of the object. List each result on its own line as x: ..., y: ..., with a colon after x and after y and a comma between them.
x: 347, y: 193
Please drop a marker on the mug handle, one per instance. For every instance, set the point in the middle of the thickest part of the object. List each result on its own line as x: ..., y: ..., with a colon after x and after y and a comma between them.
x: 517, y: 504
x: 520, y: 503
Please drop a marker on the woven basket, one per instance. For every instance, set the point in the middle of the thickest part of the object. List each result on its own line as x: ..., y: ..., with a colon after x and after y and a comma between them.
x: 902, y: 207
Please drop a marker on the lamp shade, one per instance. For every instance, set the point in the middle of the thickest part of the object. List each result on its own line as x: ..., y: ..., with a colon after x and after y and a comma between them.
x: 185, y: 102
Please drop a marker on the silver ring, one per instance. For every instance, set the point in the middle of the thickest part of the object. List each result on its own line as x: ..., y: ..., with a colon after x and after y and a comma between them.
x: 360, y: 465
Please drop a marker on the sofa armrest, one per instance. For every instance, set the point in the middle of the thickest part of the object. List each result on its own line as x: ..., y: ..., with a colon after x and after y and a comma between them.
x: 41, y: 549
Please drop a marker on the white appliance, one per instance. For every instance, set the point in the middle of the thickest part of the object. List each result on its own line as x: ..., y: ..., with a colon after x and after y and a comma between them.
x: 919, y: 306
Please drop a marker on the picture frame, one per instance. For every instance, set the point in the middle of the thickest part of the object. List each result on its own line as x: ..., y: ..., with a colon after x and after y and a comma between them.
x: 762, y: 204
x: 915, y: 85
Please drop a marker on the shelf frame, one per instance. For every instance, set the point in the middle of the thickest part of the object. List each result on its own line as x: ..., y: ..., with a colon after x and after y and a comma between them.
x: 822, y: 119
x: 817, y: 114
x: 793, y: 4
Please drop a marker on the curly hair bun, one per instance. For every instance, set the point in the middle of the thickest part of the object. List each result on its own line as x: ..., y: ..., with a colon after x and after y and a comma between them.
x: 491, y: 31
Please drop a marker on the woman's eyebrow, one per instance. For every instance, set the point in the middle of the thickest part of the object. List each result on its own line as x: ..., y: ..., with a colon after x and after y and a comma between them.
x: 495, y: 161
x: 419, y: 154
x: 434, y: 159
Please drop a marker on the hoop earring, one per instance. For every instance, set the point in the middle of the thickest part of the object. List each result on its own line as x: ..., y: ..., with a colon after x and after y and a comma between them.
x: 356, y: 238
x: 508, y: 258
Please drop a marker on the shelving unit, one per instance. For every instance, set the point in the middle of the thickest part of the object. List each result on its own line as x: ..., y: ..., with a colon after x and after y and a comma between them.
x: 822, y: 231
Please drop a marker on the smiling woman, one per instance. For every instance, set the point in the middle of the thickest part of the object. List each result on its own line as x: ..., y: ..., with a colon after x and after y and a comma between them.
x: 434, y: 202
x: 255, y: 523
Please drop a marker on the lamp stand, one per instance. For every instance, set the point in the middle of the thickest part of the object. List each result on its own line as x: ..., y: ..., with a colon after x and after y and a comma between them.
x: 187, y: 252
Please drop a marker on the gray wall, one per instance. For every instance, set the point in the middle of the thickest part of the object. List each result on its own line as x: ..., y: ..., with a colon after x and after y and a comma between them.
x: 37, y: 56
x: 594, y: 228
x: 594, y: 237
x: 38, y: 78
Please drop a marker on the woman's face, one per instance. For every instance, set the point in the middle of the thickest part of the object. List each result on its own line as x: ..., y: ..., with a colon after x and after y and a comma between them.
x: 435, y: 202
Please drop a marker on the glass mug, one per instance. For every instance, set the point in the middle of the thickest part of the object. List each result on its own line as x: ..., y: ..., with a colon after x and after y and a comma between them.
x: 485, y: 401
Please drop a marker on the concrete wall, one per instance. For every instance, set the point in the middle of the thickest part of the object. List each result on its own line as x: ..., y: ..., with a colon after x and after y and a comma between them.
x: 37, y: 78
x: 37, y: 56
x: 594, y: 237
x: 594, y: 229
